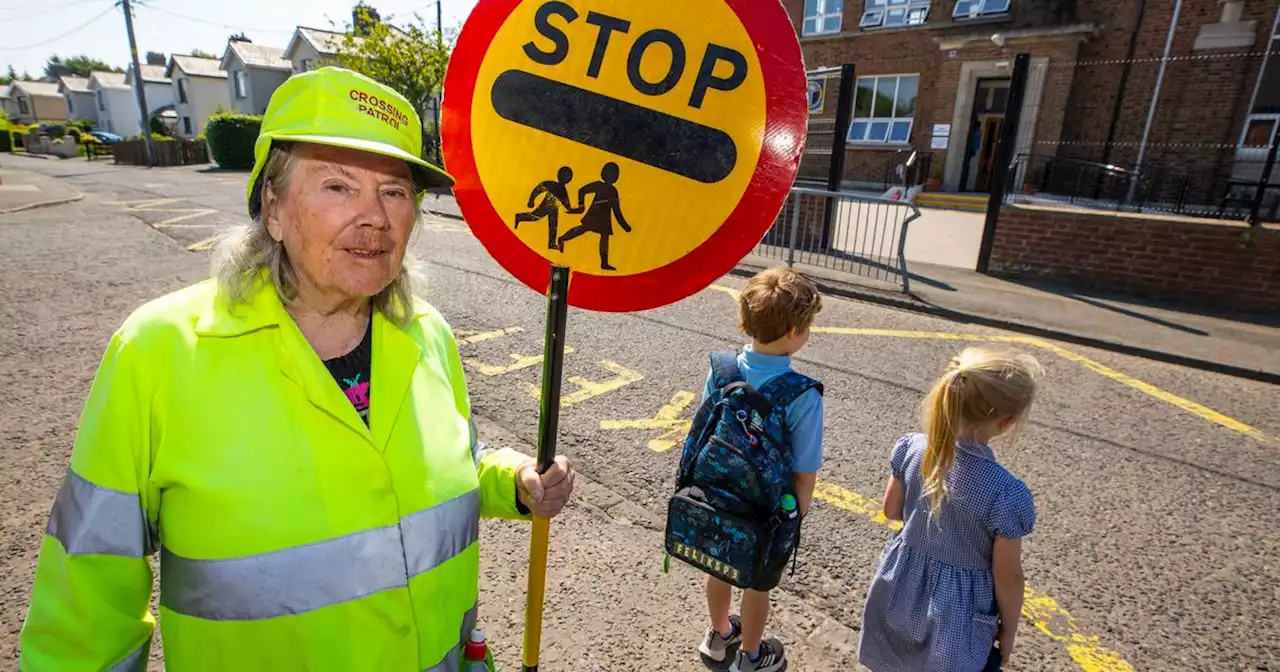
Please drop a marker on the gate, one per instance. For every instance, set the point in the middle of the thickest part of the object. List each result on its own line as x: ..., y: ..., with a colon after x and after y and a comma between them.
x: 865, y: 236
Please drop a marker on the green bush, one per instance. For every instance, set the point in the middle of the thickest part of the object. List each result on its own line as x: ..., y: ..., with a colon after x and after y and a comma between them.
x: 231, y: 138
x: 83, y: 124
x: 54, y: 130
x: 74, y: 132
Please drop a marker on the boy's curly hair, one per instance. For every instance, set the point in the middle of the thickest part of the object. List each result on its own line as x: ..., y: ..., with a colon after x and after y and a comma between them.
x: 775, y: 302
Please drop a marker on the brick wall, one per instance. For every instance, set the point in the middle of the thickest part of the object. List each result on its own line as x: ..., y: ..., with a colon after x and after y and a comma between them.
x: 1200, y: 116
x: 1221, y: 265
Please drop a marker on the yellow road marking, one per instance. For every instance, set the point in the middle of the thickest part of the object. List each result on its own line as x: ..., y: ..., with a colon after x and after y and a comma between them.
x: 668, y: 418
x: 1043, y: 611
x: 521, y: 362
x: 588, y: 389
x: 480, y: 337
x: 203, y: 245
x: 143, y: 204
x: 1146, y: 388
x: 727, y: 290
x: 190, y: 215
x: 1167, y: 397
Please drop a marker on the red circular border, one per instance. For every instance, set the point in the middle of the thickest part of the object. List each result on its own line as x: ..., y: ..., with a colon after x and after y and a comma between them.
x: 778, y: 52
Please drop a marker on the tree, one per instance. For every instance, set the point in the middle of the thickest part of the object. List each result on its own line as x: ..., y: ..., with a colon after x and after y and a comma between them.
x: 79, y: 66
x: 200, y: 53
x: 411, y: 59
x: 239, y: 37
x: 363, y: 19
x: 156, y: 58
x: 7, y: 79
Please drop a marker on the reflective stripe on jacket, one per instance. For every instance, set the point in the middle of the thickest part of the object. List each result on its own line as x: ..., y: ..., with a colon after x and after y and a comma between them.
x: 290, y: 535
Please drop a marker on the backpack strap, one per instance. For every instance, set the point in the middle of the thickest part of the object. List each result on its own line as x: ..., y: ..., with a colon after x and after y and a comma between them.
x: 724, y: 368
x: 788, y: 387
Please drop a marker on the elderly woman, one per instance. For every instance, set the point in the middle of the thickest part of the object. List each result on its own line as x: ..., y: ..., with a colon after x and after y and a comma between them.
x: 293, y: 438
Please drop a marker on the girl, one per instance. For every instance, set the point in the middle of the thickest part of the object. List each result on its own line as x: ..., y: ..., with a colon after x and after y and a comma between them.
x: 949, y: 587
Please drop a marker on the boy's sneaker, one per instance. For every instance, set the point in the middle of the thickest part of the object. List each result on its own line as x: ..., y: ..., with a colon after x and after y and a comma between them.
x: 771, y: 659
x: 715, y: 646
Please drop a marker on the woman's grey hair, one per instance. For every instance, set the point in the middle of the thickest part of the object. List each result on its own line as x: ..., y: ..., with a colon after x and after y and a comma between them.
x: 245, y: 253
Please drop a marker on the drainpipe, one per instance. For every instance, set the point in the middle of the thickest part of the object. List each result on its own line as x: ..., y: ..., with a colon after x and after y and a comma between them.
x: 1124, y: 81
x: 1155, y: 101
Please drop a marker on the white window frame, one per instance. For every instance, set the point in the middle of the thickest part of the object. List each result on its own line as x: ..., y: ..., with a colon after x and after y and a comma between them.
x: 820, y: 17
x: 23, y: 107
x: 183, y: 96
x: 241, y: 84
x: 894, y: 14
x: 71, y: 103
x: 891, y: 120
x: 187, y: 126
x: 1257, y: 86
x: 102, y: 101
x: 306, y: 65
x: 979, y: 8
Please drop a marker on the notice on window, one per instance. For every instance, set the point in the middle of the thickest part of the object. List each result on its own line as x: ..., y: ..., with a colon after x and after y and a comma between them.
x: 941, y: 131
x: 938, y: 142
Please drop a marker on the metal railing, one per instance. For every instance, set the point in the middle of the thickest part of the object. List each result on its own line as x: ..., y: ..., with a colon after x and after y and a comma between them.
x: 847, y: 232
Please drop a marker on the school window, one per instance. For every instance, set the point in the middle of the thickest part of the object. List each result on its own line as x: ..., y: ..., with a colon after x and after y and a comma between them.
x: 884, y: 109
x: 972, y: 9
x: 102, y: 102
x: 242, y: 88
x: 182, y: 90
x: 894, y: 13
x: 71, y: 105
x: 1264, y: 115
x: 186, y: 125
x: 22, y: 106
x: 306, y: 65
x: 822, y: 17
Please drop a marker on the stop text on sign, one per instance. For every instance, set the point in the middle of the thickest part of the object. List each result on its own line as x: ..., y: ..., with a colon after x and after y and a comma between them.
x: 664, y: 141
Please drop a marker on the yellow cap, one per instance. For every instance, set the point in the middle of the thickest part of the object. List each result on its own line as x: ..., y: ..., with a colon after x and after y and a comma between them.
x: 343, y: 108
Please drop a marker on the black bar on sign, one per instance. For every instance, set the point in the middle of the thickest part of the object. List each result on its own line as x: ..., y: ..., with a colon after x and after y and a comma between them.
x: 638, y: 133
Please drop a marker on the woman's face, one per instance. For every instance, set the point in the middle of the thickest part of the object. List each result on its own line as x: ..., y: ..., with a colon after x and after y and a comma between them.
x: 344, y: 220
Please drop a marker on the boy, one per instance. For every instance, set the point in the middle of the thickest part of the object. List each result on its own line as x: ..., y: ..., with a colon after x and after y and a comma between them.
x: 776, y: 310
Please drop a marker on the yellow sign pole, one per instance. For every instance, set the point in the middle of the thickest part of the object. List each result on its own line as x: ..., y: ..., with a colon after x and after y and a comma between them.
x: 548, y: 424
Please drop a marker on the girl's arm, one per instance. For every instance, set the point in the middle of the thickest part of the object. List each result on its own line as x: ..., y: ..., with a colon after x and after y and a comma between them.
x: 1006, y: 564
x: 804, y: 484
x: 895, y: 498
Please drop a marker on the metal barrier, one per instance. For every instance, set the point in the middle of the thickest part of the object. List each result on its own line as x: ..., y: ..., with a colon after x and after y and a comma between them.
x: 851, y: 233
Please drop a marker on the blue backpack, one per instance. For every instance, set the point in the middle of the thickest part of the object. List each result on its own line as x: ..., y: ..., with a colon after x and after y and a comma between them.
x: 734, y: 512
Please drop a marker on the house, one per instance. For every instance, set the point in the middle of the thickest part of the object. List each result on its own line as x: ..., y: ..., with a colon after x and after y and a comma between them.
x: 36, y: 103
x: 253, y: 73
x: 200, y: 90
x: 157, y: 88
x: 116, y: 107
x: 81, y: 103
x: 7, y: 103
x: 933, y: 76
x: 310, y: 48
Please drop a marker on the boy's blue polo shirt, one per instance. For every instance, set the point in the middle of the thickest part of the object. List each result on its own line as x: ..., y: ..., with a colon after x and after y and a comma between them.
x: 804, y: 415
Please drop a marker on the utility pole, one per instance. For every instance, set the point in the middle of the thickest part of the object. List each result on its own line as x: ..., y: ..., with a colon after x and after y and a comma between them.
x: 139, y: 85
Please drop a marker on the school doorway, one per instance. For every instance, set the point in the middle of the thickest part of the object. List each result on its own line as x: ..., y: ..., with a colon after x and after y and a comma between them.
x: 990, y: 100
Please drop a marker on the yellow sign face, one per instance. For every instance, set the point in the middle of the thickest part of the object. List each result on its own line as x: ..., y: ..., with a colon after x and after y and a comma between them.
x: 615, y: 138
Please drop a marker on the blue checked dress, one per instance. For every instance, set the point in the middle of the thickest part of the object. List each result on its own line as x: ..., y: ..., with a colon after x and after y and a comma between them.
x: 931, y: 606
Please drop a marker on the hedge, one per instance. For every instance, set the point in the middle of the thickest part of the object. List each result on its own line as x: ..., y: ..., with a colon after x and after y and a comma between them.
x: 231, y: 138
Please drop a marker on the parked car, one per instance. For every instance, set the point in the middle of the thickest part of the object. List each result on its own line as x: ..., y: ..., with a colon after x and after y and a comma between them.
x: 104, y: 136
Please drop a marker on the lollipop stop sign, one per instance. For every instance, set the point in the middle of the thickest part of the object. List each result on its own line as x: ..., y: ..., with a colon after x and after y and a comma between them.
x: 619, y: 155
x: 646, y: 145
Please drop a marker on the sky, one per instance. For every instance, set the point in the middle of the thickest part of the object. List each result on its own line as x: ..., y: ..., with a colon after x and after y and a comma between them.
x: 37, y: 29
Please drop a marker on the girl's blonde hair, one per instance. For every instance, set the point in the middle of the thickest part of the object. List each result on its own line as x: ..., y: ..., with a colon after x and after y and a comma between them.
x: 980, y: 385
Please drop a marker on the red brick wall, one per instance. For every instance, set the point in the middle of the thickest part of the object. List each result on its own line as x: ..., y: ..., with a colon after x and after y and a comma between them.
x: 1222, y: 265
x: 1201, y: 112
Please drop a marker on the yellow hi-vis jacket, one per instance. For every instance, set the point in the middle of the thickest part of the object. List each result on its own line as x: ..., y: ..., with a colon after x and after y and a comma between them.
x: 290, y: 535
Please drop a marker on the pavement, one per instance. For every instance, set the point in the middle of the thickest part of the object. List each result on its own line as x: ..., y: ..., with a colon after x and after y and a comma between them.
x: 24, y: 190
x: 1155, y: 483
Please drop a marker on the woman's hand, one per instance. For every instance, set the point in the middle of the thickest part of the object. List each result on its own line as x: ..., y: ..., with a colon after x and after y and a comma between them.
x: 545, y: 494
